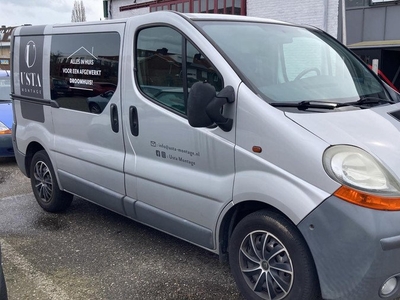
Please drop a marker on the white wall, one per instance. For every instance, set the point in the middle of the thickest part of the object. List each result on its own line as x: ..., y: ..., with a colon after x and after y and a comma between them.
x: 319, y: 13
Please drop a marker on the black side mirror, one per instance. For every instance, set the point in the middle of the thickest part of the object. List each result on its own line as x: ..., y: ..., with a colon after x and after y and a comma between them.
x: 204, y: 107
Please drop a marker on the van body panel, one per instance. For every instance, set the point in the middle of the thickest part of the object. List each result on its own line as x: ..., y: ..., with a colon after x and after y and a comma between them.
x: 377, y: 131
x: 258, y: 173
x: 92, y: 192
x: 79, y: 152
x: 189, y: 155
x: 29, y: 131
x: 174, y: 225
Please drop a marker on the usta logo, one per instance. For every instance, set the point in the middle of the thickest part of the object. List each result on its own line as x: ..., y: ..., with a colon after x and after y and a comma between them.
x: 30, y: 54
x: 31, y: 81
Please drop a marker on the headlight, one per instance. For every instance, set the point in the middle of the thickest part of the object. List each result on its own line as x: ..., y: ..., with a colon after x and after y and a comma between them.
x: 4, y: 129
x: 365, y: 180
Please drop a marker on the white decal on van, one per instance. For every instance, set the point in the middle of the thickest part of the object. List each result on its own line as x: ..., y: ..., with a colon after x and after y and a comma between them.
x: 85, y: 50
x: 82, y: 71
x: 30, y: 54
x: 177, y: 154
x: 77, y: 60
x: 30, y: 73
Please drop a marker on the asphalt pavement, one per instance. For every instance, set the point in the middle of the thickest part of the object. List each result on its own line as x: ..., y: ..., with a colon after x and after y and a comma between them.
x: 89, y: 252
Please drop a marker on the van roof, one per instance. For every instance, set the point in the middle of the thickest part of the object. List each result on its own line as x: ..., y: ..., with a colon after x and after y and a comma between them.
x: 192, y: 16
x: 223, y: 17
x: 38, y: 29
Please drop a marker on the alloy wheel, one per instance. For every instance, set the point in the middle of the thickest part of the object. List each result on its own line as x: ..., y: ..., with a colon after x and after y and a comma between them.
x: 266, y: 265
x: 43, y: 181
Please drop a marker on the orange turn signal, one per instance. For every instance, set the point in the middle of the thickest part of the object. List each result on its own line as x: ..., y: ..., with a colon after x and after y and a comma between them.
x: 8, y: 131
x: 368, y: 200
x: 256, y: 149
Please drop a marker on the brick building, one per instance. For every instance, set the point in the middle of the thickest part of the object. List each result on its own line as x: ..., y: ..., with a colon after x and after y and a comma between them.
x: 5, y: 36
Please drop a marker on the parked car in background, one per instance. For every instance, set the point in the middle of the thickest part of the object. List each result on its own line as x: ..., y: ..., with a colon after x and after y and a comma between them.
x: 6, y: 115
x: 3, y: 288
x: 60, y: 88
x: 98, y: 103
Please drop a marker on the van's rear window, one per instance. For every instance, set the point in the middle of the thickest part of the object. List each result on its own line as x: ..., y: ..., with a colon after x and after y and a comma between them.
x: 84, y: 70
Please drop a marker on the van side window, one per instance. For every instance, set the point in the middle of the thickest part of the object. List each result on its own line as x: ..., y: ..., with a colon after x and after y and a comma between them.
x: 163, y: 74
x: 84, y: 70
x: 199, y: 68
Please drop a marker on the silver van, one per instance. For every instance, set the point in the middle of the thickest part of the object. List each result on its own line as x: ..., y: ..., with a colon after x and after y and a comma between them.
x: 267, y: 143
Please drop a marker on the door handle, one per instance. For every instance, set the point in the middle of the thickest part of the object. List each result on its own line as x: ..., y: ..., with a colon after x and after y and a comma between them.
x: 133, y: 120
x: 114, y: 117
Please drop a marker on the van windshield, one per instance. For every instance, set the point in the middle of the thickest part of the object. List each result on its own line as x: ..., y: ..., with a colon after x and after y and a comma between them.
x: 286, y: 64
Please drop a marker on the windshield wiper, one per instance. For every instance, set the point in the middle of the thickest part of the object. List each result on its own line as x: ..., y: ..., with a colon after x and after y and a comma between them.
x: 303, y: 105
x: 367, y: 100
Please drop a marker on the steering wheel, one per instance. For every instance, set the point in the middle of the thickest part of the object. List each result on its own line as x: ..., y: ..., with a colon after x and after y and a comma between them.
x: 306, y: 71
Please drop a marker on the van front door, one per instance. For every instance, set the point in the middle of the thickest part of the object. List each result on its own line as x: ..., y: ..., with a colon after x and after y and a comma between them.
x: 184, y: 175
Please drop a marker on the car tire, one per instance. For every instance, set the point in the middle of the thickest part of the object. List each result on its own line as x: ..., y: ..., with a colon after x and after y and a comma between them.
x: 270, y: 259
x: 44, y: 184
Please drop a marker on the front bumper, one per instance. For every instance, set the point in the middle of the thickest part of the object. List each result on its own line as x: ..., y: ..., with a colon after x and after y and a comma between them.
x: 355, y: 249
x: 6, y: 146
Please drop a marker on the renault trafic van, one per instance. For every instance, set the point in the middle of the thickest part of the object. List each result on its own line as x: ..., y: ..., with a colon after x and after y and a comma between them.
x: 267, y: 143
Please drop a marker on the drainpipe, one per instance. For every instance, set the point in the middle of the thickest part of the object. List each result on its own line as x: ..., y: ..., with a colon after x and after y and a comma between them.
x: 326, y: 11
x: 344, y: 31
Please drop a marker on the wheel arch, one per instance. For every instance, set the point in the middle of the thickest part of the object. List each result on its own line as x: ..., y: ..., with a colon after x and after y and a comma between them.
x: 233, y: 216
x: 261, y: 231
x: 32, y: 148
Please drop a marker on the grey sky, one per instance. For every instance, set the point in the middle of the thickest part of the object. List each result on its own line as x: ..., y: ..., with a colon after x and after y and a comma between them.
x: 37, y: 12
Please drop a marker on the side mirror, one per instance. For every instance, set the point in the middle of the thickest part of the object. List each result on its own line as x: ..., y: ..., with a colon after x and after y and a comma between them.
x: 204, y: 107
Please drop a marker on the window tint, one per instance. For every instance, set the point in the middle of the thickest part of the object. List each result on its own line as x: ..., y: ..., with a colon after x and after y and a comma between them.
x: 162, y: 72
x: 84, y: 70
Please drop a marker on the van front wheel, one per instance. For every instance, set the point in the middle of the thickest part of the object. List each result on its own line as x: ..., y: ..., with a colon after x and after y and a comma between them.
x: 44, y: 184
x: 270, y: 260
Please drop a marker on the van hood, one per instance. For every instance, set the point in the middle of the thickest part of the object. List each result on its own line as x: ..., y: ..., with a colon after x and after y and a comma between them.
x: 376, y: 130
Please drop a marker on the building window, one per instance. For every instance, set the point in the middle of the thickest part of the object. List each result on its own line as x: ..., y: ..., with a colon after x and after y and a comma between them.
x: 357, y: 3
x: 230, y: 7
